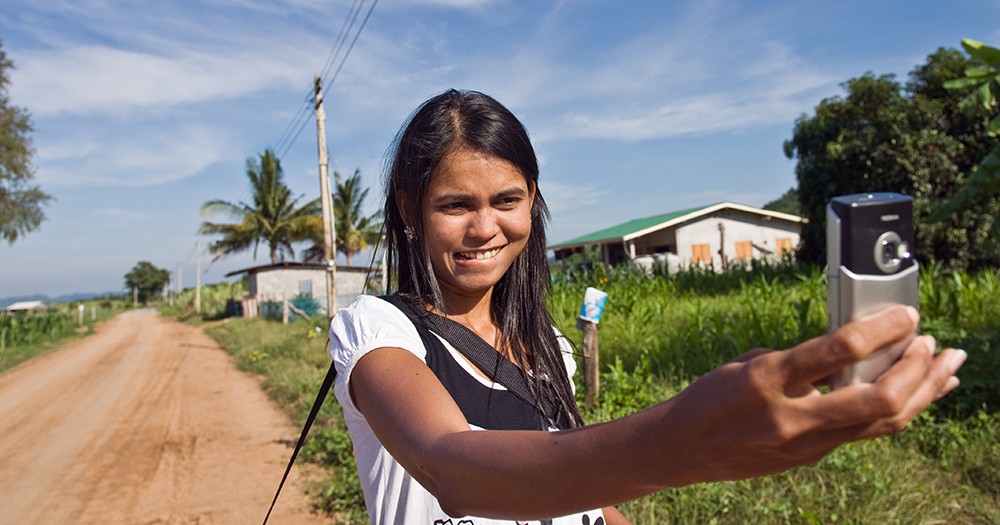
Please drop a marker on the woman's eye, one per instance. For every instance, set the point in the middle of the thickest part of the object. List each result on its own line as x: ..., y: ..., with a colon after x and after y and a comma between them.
x: 509, y: 202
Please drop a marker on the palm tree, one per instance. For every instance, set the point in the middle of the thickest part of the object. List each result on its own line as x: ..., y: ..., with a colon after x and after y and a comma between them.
x: 272, y: 217
x: 353, y: 231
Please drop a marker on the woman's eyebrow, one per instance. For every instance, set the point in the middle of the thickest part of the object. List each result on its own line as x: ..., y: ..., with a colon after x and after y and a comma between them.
x: 511, y: 192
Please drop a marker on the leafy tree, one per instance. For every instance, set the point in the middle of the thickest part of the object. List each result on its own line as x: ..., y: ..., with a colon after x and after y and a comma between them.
x: 20, y: 202
x: 882, y: 137
x: 147, y: 279
x: 272, y: 217
x: 354, y: 232
x: 984, y: 179
x: 787, y: 203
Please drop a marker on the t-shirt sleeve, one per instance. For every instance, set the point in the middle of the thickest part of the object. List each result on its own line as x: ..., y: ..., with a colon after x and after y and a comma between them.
x: 367, y: 324
x: 569, y: 360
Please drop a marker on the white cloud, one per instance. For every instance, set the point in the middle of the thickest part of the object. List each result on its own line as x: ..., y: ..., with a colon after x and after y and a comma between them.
x: 99, y: 79
x: 565, y: 197
x: 142, y: 159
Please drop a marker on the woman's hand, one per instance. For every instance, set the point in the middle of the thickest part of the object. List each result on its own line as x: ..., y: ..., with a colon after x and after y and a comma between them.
x: 761, y: 414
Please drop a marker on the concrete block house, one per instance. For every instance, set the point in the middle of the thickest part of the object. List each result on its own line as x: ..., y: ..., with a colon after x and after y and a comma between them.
x: 710, y: 235
x: 274, y: 282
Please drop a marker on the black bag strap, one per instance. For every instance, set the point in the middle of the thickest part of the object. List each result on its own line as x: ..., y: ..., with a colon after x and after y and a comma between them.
x: 481, y: 353
x: 320, y: 398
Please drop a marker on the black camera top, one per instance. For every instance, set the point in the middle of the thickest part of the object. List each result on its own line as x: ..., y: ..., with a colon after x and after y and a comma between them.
x: 876, y: 233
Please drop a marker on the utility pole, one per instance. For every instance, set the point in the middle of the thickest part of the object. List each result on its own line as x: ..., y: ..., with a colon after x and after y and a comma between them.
x: 197, y: 279
x: 326, y: 201
x: 177, y: 291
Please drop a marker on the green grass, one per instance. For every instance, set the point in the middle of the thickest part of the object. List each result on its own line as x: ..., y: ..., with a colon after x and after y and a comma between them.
x: 659, y: 334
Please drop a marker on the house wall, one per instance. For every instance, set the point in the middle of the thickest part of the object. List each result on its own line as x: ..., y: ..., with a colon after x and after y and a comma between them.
x: 270, y: 284
x: 761, y: 231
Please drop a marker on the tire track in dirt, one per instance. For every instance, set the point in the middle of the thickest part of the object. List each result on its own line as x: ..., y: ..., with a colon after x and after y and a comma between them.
x: 145, y: 422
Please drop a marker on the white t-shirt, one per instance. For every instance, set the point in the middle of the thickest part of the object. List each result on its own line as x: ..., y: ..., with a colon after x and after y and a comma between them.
x: 392, y: 496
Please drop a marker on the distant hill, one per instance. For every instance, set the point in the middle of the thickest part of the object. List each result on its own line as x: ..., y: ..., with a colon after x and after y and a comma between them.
x: 7, y: 301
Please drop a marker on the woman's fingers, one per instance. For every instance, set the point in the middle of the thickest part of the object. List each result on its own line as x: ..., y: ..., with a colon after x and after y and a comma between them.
x: 817, y: 358
x: 886, y: 406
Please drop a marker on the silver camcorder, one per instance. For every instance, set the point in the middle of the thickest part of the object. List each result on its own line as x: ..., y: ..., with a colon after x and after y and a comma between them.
x: 869, y: 243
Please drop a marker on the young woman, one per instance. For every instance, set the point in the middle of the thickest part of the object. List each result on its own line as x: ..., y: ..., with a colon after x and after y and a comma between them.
x: 437, y: 440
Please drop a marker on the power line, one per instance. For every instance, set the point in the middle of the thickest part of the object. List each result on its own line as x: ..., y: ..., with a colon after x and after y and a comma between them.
x: 352, y: 16
x: 298, y: 123
x: 302, y: 114
x: 356, y: 35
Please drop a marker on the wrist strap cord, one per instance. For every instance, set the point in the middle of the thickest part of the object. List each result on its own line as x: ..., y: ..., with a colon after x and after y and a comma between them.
x: 320, y: 398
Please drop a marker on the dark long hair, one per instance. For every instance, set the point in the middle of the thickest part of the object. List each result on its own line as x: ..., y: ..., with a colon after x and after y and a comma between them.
x: 468, y: 120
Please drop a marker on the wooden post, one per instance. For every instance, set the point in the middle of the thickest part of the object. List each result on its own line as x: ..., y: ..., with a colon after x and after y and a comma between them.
x: 284, y: 309
x: 93, y: 312
x: 722, y: 247
x: 591, y: 362
x: 590, y: 315
x: 80, y: 309
x: 197, y: 280
x: 135, y: 296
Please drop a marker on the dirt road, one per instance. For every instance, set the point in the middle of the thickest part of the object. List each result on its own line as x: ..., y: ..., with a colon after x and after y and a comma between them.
x: 144, y: 422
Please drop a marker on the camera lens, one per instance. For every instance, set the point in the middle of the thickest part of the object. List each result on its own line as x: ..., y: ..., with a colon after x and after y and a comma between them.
x: 890, y: 251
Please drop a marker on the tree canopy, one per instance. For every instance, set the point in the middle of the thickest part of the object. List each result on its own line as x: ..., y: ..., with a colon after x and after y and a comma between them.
x: 354, y: 232
x: 147, y: 279
x: 913, y: 139
x: 273, y: 217
x: 20, y: 202
x: 787, y: 203
x: 984, y: 180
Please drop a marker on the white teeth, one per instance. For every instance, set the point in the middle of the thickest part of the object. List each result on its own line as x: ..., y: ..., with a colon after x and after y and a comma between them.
x: 480, y: 255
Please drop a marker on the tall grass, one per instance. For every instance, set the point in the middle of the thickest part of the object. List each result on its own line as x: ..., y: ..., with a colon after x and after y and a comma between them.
x: 659, y: 334
x: 29, y: 329
x: 214, y: 301
x: 26, y: 335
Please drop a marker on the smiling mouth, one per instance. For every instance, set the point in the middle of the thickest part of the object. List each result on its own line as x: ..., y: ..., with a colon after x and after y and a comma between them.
x: 478, y: 255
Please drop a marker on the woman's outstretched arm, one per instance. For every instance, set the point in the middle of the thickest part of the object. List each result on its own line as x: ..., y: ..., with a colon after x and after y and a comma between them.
x: 756, y: 415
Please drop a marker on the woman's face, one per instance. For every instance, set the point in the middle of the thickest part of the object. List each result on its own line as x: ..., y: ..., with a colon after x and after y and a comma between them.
x: 477, y: 219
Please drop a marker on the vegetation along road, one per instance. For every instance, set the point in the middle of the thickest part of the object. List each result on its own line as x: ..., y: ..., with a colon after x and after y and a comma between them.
x: 146, y: 421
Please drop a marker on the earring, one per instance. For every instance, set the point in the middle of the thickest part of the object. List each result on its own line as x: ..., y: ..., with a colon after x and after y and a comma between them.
x: 409, y: 233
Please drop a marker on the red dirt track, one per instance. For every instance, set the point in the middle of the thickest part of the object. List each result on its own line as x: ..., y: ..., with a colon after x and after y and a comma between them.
x: 145, y: 422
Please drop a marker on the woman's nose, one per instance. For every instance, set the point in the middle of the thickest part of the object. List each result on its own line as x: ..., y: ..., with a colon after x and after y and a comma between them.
x: 483, y: 225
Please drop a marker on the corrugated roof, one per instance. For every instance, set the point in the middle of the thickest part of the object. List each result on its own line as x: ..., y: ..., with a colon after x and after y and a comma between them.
x: 626, y: 228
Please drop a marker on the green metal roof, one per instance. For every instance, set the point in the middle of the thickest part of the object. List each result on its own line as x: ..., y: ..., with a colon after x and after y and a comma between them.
x: 626, y: 228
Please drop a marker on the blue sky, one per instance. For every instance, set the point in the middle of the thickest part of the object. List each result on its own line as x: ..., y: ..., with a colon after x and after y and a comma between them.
x: 144, y: 111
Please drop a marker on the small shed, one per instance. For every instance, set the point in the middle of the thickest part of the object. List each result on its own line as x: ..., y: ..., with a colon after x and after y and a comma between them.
x: 715, y: 234
x: 285, y: 280
x: 25, y: 306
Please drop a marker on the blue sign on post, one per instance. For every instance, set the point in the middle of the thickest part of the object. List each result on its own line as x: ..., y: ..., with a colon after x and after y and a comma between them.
x: 593, y: 305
